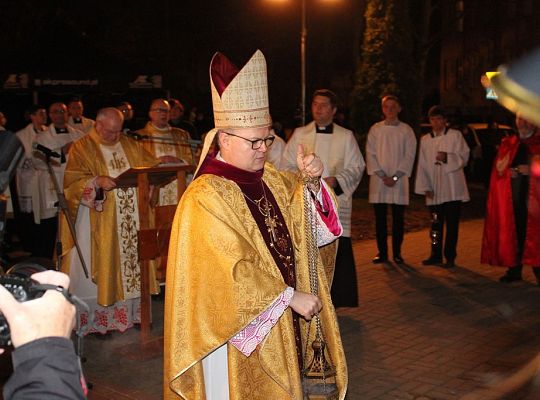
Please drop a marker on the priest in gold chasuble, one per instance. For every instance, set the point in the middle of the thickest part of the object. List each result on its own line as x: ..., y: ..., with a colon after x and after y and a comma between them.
x: 238, y: 301
x: 106, y: 224
x: 167, y: 143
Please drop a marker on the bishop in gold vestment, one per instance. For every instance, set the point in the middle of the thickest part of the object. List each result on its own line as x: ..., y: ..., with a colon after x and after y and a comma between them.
x: 237, y: 274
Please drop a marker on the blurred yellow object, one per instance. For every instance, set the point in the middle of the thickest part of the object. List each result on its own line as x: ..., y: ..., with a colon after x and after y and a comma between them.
x: 486, y: 78
x: 518, y: 88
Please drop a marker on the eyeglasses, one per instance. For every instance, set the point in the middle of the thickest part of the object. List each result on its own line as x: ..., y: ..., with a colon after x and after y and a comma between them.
x: 160, y: 110
x: 256, y: 143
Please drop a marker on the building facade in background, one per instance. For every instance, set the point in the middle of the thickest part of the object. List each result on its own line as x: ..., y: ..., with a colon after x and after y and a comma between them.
x: 478, y: 36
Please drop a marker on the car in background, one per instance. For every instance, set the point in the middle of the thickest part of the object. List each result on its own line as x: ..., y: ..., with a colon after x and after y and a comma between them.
x: 489, y: 134
x: 483, y: 140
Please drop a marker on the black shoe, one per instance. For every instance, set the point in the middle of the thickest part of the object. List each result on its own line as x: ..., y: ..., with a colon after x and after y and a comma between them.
x: 378, y: 259
x: 432, y: 261
x: 398, y: 259
x: 449, y: 264
x: 509, y: 278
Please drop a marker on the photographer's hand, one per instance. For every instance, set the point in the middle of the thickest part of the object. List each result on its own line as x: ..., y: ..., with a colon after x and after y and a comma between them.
x: 49, y: 315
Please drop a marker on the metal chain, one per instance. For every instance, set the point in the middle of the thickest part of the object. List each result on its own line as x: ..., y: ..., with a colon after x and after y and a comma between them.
x: 310, y: 227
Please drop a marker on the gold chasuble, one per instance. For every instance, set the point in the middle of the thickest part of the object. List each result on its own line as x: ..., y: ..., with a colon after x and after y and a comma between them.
x: 221, y: 275
x: 168, y: 142
x: 112, y: 270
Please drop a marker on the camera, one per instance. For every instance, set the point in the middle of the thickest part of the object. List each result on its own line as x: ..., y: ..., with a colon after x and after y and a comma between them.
x: 18, y: 282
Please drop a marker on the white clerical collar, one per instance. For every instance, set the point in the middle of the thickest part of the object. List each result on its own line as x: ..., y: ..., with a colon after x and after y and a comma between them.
x: 166, y: 129
x: 392, y: 123
x: 529, y: 133
x: 219, y: 158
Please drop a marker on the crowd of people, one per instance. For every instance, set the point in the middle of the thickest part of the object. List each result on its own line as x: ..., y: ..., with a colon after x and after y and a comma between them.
x: 240, y: 297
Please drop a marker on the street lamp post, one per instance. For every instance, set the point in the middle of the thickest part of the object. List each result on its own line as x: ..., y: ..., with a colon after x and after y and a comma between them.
x: 303, y: 39
x: 303, y: 43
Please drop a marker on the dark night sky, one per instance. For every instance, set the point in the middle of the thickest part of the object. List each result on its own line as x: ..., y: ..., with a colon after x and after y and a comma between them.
x: 115, y: 41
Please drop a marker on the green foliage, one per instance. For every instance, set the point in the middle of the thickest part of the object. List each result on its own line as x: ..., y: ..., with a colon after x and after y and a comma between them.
x: 386, y: 66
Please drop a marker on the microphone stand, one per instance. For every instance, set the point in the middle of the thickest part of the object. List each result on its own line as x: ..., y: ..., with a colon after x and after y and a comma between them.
x: 63, y: 207
x: 191, y: 143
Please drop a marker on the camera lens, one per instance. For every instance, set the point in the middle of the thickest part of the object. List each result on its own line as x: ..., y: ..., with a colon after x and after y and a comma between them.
x: 20, y: 294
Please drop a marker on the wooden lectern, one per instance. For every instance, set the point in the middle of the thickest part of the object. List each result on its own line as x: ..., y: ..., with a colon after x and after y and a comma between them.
x: 153, y: 241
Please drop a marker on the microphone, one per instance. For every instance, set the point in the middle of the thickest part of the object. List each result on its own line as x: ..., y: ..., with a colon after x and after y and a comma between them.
x: 45, y: 150
x: 194, y: 142
x: 133, y: 135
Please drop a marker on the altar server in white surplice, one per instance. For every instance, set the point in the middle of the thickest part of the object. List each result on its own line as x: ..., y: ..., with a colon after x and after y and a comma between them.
x: 343, y: 169
x: 32, y: 181
x: 440, y: 177
x: 58, y: 137
x: 390, y: 153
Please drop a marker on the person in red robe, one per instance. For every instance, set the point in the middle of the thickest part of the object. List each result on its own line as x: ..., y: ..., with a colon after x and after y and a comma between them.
x: 512, y: 226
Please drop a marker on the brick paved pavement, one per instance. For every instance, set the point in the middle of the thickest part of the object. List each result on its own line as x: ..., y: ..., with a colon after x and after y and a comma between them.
x: 430, y: 333
x: 419, y: 333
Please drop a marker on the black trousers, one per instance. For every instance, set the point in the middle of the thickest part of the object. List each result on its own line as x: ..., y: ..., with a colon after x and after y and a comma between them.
x: 520, y: 194
x: 28, y: 232
x: 398, y: 211
x: 344, y: 290
x: 445, y: 214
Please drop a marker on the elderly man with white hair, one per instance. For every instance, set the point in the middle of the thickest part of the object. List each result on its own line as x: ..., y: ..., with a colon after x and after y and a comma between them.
x: 106, y: 223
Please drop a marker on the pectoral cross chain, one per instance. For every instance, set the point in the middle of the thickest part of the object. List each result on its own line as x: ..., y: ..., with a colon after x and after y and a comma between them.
x: 270, y: 222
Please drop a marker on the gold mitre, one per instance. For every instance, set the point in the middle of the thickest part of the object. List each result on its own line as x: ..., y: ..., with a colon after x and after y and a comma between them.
x: 239, y: 98
x: 518, y: 88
